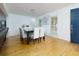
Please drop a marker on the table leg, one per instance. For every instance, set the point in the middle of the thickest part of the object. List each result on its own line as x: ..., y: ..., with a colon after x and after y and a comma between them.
x: 27, y: 37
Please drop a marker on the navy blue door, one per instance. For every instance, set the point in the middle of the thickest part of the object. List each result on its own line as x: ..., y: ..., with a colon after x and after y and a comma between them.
x: 75, y: 25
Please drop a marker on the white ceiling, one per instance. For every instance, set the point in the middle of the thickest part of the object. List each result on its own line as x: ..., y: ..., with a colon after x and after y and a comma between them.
x: 34, y: 9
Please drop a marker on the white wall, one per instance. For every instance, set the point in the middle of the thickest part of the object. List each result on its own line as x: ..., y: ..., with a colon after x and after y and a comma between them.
x: 15, y: 21
x: 63, y: 26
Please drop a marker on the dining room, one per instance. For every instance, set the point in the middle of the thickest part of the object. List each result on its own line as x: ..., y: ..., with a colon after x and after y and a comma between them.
x: 38, y: 29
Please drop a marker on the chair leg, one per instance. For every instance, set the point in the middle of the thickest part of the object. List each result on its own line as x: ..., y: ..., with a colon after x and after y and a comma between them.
x: 39, y: 40
x: 34, y: 41
x: 44, y: 38
x: 21, y: 40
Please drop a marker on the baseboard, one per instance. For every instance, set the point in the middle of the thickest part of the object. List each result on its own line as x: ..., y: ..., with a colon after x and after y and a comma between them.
x: 59, y: 37
x: 13, y: 36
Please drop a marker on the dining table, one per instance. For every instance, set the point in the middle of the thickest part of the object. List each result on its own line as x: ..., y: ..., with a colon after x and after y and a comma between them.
x: 28, y: 31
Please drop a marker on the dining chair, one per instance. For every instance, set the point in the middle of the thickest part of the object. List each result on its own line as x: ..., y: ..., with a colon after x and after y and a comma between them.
x: 35, y: 35
x: 42, y: 33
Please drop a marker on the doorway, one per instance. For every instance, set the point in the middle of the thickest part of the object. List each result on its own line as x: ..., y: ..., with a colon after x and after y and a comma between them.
x: 75, y: 25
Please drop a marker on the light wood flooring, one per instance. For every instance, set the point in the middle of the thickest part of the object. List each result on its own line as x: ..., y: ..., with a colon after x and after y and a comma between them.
x: 50, y: 47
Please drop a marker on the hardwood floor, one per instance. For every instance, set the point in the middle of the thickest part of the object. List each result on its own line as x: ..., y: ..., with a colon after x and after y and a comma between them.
x: 50, y: 47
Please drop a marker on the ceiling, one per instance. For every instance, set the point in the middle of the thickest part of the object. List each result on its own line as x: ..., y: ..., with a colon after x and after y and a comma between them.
x: 34, y: 9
